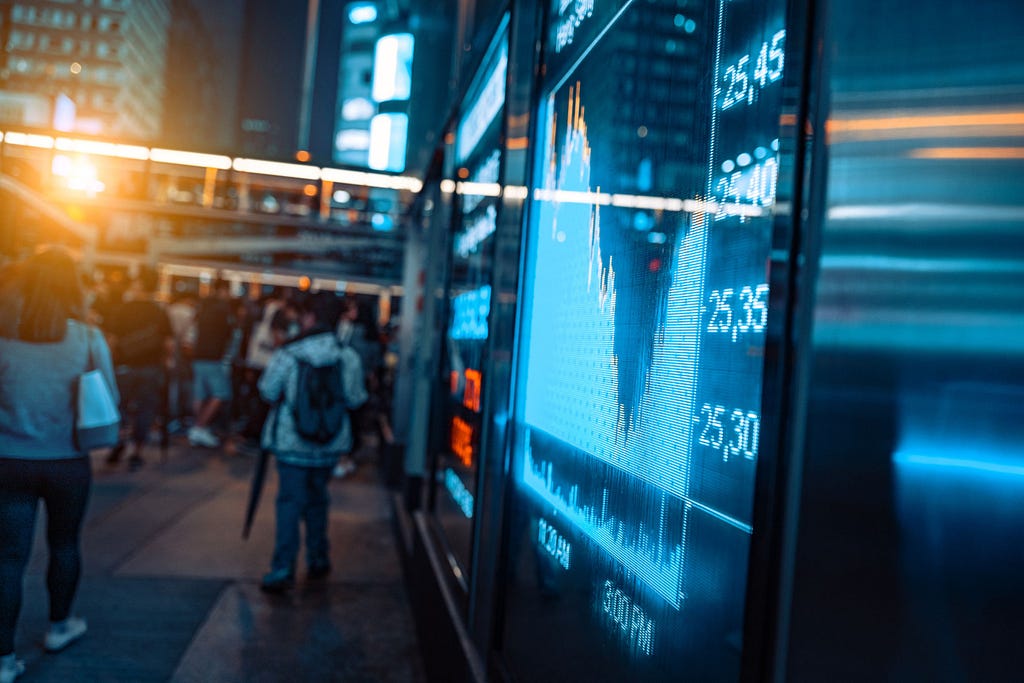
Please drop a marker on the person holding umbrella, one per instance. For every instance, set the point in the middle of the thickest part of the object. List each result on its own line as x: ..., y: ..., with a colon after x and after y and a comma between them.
x: 312, y: 383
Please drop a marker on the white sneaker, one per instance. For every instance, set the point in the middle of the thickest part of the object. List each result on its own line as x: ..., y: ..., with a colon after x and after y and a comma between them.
x: 343, y: 469
x: 10, y: 668
x: 201, y: 436
x: 64, y: 633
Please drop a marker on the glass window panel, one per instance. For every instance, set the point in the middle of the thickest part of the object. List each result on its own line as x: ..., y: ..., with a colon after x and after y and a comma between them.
x: 478, y: 159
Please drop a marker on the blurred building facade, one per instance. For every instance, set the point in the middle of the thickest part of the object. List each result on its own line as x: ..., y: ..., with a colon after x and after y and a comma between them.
x: 201, y: 94
x: 270, y: 87
x: 91, y: 66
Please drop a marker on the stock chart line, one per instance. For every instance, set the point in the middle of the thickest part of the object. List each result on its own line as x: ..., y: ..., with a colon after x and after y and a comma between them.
x: 651, y: 557
x: 613, y: 355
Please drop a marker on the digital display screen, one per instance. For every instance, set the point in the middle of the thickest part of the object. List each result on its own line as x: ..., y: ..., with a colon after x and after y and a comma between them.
x: 640, y: 351
x: 477, y: 155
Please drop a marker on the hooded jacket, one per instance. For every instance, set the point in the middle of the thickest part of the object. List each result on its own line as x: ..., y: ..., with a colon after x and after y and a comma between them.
x: 277, y: 386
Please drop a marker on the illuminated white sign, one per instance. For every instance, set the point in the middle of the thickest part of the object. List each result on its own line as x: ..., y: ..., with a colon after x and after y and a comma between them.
x: 388, y: 137
x: 358, y: 109
x: 486, y: 106
x: 478, y: 230
x: 362, y: 13
x: 392, y: 67
x: 483, y: 183
x: 352, y: 139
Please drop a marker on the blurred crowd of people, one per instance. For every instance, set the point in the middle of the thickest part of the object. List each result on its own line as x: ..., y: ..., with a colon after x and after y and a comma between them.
x: 208, y: 366
x: 189, y: 365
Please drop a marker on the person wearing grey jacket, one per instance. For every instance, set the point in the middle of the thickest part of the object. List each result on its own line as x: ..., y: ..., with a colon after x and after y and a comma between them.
x: 304, y: 466
x: 43, y: 350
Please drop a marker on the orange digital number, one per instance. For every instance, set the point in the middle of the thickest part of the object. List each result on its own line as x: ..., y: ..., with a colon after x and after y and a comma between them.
x: 471, y: 396
x: 462, y: 441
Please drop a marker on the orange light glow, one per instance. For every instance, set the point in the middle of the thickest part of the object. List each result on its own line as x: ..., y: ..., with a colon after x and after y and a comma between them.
x: 304, y: 283
x: 462, y: 441
x: 976, y: 124
x: 463, y: 172
x: 471, y: 396
x: 968, y: 153
x: 302, y: 155
x: 453, y: 382
x: 309, y: 190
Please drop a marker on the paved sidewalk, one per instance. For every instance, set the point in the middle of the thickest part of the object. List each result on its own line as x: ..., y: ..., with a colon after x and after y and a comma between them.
x: 171, y: 591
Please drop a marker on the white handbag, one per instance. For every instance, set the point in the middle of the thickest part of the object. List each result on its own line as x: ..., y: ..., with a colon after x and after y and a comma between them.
x: 97, y: 421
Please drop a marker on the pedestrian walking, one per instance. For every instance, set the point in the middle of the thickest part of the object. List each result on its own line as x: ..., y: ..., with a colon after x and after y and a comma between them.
x: 211, y: 367
x: 312, y: 383
x: 47, y: 349
x: 142, y: 342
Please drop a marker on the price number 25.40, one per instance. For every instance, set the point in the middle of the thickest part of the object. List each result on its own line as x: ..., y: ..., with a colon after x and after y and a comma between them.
x: 734, y: 432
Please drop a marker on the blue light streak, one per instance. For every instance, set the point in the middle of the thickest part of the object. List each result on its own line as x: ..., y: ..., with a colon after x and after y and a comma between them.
x: 958, y: 463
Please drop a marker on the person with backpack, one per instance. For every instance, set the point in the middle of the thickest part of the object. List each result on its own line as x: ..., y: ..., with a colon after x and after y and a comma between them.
x: 312, y: 383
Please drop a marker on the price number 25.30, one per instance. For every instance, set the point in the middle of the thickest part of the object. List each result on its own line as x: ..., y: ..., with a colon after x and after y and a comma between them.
x: 733, y: 433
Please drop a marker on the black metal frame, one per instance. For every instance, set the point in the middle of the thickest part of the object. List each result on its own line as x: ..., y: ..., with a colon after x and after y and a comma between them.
x: 777, y: 486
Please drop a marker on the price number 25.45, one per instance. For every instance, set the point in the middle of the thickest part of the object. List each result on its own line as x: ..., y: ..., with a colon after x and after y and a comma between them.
x: 745, y: 78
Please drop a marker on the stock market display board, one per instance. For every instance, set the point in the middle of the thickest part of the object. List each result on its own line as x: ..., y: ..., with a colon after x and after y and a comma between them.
x: 477, y: 156
x: 642, y: 327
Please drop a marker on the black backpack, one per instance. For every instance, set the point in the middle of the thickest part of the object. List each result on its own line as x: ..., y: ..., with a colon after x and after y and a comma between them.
x: 319, y: 409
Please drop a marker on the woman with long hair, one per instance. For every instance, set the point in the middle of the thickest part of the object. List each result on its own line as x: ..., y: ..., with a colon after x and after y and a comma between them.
x: 44, y: 348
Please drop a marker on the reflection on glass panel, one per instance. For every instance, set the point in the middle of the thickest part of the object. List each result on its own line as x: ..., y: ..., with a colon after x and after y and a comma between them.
x: 640, y: 355
x: 478, y: 158
x: 917, y: 384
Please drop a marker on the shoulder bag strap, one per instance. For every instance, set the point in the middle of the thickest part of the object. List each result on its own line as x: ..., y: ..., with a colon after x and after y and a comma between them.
x: 89, y: 330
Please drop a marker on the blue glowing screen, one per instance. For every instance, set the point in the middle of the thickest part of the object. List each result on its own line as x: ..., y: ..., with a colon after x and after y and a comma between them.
x: 640, y: 354
x: 477, y: 154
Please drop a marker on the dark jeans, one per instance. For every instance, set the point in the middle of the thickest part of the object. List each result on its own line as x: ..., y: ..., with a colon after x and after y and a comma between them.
x: 301, y: 495
x: 64, y: 486
x: 141, y: 390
